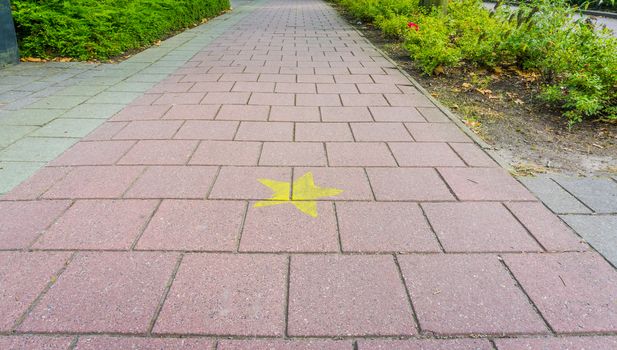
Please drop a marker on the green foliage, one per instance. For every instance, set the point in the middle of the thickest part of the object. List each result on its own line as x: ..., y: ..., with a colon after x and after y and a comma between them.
x: 578, y: 60
x: 100, y: 29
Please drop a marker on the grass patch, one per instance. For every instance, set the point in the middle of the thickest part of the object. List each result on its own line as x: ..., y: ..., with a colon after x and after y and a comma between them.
x: 102, y: 29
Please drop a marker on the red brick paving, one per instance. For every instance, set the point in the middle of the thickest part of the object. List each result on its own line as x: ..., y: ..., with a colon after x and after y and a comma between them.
x: 347, y: 296
x: 407, y: 254
x: 467, y: 294
x: 119, y: 343
x: 226, y: 295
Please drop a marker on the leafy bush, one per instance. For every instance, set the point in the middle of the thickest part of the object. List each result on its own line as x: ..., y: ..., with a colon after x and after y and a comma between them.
x: 577, y: 60
x: 100, y: 29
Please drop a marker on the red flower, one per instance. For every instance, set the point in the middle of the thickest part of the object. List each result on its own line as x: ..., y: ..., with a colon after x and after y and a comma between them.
x: 413, y: 25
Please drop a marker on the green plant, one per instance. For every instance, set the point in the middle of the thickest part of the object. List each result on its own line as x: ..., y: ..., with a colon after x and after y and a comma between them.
x: 100, y: 29
x: 576, y: 59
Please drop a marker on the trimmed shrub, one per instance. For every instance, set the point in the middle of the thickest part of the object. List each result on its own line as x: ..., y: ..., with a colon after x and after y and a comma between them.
x: 101, y: 29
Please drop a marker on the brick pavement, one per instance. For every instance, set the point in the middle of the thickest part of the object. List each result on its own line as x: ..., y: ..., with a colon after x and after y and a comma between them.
x: 157, y: 230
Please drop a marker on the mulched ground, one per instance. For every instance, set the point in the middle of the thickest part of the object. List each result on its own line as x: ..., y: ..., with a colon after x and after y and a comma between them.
x: 503, y: 109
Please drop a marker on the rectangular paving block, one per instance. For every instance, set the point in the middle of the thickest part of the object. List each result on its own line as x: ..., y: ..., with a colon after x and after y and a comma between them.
x: 10, y: 134
x: 23, y: 276
x: 265, y: 131
x: 194, y: 226
x: 546, y: 227
x: 159, y: 152
x: 333, y: 295
x: 243, y: 182
x: 323, y: 132
x: 424, y: 154
x: 94, y: 182
x: 98, y: 224
x: 173, y: 182
x: 14, y: 173
x: 467, y: 294
x: 318, y: 100
x: 478, y: 227
x: 407, y: 184
x: 473, y: 155
x: 207, y: 130
x: 226, y: 153
x: 294, y: 113
x: 436, y: 132
x: 561, y: 343
x: 191, y: 112
x: 271, y: 99
x: 92, y: 110
x: 226, y: 98
x: 599, y: 194
x: 93, y: 153
x: 366, y: 154
x: 575, y: 292
x: 147, y: 112
x: 425, y: 344
x: 353, y: 182
x: 553, y: 195
x: 35, y: 342
x: 485, y: 184
x: 226, y: 294
x: 293, y: 154
x: 346, y: 114
x: 105, y: 131
x: 380, y: 132
x: 35, y: 185
x: 30, y: 116
x: 384, y: 227
x: 241, y: 112
x: 396, y: 114
x: 104, y: 342
x: 600, y: 231
x: 36, y: 149
x: 283, y: 227
x: 279, y: 344
x: 98, y: 292
x: 149, y: 130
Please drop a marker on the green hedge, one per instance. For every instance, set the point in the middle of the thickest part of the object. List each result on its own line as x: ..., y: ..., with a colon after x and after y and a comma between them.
x: 101, y: 29
x: 577, y: 61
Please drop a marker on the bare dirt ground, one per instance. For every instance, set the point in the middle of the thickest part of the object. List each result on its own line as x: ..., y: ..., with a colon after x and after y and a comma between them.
x: 503, y: 109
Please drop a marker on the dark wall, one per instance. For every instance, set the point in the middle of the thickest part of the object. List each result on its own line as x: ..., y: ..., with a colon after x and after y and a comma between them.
x: 8, y: 41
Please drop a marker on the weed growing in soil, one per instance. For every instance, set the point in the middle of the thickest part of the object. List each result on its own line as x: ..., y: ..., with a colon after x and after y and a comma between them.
x: 576, y: 60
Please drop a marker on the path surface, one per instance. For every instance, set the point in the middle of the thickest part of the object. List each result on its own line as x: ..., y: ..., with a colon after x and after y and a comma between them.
x: 287, y: 187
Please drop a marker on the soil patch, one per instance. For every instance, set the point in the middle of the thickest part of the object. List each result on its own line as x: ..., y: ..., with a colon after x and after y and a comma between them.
x: 503, y: 109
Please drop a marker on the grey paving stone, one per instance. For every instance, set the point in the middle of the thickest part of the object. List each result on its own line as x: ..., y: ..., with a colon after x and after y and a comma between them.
x: 600, y: 194
x: 599, y: 230
x: 11, y: 133
x: 29, y: 116
x: 555, y: 197
x: 36, y: 149
x: 131, y: 86
x: 81, y: 90
x: 93, y: 110
x: 58, y: 102
x: 114, y: 97
x: 68, y: 128
x: 13, y: 173
x: 147, y: 78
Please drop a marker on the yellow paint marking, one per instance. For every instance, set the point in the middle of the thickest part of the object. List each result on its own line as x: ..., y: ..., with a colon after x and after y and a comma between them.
x: 305, y: 193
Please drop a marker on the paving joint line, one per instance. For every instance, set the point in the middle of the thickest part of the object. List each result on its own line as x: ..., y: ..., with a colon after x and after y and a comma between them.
x: 163, y: 297
x: 19, y: 321
x: 529, y: 299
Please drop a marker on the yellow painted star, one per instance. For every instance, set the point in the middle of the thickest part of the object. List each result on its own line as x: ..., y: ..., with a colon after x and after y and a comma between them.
x: 305, y: 193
